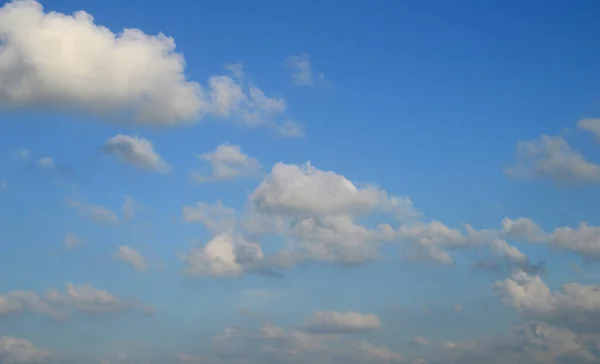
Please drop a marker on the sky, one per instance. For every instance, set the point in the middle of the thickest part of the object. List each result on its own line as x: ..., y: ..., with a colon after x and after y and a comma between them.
x: 236, y: 182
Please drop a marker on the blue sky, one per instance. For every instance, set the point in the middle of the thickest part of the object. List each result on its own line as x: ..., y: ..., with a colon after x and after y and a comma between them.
x: 290, y: 182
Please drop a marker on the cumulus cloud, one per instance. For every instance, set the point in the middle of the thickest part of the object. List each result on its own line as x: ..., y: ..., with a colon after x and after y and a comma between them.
x: 342, y: 322
x: 582, y: 240
x: 132, y: 257
x: 552, y: 158
x: 16, y: 350
x: 227, y: 162
x: 136, y: 151
x: 577, y: 306
x: 429, y: 241
x: 59, y: 61
x: 306, y: 191
x: 226, y: 255
x: 94, y: 213
x: 128, y: 210
x: 71, y: 242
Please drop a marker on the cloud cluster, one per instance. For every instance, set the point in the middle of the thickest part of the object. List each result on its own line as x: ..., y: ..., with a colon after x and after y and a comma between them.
x: 83, y: 298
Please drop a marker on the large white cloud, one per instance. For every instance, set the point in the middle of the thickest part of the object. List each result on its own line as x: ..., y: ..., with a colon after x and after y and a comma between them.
x: 136, y: 151
x: 59, y: 61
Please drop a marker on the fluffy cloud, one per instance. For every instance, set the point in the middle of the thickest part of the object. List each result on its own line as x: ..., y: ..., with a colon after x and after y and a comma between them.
x: 71, y: 242
x: 306, y: 191
x: 343, y: 322
x: 583, y: 240
x: 578, y: 306
x: 94, y: 213
x: 136, y: 151
x: 227, y: 162
x: 16, y: 350
x: 46, y: 163
x: 132, y: 257
x: 428, y: 241
x: 86, y: 298
x: 552, y: 158
x: 58, y: 61
x: 226, y: 255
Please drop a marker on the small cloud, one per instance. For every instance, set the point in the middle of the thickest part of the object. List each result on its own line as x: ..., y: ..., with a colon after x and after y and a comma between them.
x: 94, y: 213
x: 132, y: 257
x: 419, y: 341
x: 46, y: 163
x: 21, y: 154
x: 228, y: 162
x: 72, y: 242
x: 302, y: 71
x: 136, y: 151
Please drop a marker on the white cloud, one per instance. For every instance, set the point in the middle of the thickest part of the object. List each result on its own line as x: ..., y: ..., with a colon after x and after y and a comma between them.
x: 94, y: 213
x: 302, y: 71
x: 582, y: 240
x: 71, y: 242
x: 228, y: 162
x: 136, y: 151
x: 342, y: 322
x: 215, y: 217
x: 306, y: 191
x: 132, y: 257
x: 16, y: 350
x: 552, y: 158
x: 225, y: 255
x: 577, y: 306
x: 59, y: 61
x: 590, y: 125
x: 46, y: 163
x: 428, y: 241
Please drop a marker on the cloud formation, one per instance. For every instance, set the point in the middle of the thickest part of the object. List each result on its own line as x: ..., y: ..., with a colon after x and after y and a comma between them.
x: 227, y: 162
x: 136, y: 151
x: 343, y: 322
